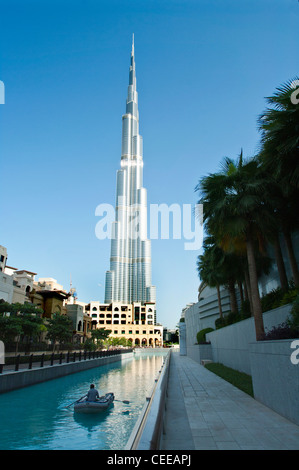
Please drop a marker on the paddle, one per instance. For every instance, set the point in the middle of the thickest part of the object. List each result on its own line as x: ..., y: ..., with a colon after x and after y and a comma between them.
x: 123, y: 401
x: 76, y: 401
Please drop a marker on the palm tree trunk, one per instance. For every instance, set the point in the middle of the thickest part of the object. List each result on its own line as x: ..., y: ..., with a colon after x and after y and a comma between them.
x: 219, y: 301
x: 255, y: 295
x: 232, y: 296
x: 293, y: 262
x: 246, y: 296
x: 247, y: 283
x: 280, y: 264
x: 241, y: 291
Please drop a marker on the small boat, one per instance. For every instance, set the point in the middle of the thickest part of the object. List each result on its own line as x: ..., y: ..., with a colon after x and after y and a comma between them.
x: 102, y: 403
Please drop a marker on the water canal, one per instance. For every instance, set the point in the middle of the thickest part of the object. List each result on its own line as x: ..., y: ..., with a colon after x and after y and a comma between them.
x: 37, y: 417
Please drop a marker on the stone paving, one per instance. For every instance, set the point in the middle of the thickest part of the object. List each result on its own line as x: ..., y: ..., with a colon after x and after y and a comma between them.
x: 204, y: 412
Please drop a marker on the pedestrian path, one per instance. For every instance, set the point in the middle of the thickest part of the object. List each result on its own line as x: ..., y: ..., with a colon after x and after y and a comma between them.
x: 204, y: 412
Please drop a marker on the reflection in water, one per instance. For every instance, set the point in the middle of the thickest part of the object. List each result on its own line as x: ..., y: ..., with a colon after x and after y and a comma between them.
x: 91, y: 421
x: 37, y: 417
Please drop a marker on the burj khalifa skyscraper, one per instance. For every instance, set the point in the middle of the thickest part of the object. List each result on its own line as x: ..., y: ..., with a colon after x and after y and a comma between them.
x: 129, y: 279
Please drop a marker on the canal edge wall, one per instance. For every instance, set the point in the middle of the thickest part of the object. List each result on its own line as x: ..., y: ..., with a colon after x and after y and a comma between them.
x: 147, y: 432
x: 24, y: 378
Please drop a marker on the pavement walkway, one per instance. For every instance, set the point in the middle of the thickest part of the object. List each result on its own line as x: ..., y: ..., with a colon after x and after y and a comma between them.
x: 204, y: 412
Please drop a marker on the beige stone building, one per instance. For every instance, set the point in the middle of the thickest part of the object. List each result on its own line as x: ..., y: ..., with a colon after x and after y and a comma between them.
x: 134, y: 322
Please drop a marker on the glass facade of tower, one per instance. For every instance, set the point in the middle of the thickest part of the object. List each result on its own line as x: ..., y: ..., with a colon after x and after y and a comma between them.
x: 129, y: 278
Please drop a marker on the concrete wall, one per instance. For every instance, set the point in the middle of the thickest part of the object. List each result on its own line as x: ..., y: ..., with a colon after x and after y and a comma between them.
x: 182, y: 338
x: 23, y: 378
x: 203, y: 314
x: 198, y: 352
x: 6, y: 287
x: 275, y: 378
x: 230, y: 345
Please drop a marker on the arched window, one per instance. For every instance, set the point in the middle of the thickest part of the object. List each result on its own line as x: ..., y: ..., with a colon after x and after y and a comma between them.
x: 94, y: 309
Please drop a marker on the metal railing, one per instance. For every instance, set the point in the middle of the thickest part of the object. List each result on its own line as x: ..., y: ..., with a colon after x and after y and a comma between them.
x: 57, y: 359
x: 147, y: 431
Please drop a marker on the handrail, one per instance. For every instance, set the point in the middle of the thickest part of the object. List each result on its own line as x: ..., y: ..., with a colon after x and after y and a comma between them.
x: 147, y: 431
x: 52, y: 361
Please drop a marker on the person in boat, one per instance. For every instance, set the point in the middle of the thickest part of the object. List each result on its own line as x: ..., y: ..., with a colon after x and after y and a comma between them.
x: 92, y: 394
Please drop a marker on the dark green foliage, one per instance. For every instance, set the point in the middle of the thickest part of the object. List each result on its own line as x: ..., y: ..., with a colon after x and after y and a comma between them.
x: 201, y: 335
x: 289, y: 297
x: 272, y: 299
x: 59, y: 328
x: 228, y: 319
x: 220, y: 323
x: 245, y: 310
x: 294, y: 319
x: 283, y: 331
x: 277, y: 297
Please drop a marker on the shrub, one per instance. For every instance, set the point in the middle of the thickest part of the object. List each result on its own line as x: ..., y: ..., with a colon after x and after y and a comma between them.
x: 220, y: 323
x: 232, y: 318
x: 294, y: 320
x: 272, y: 299
x: 201, y: 335
x: 282, y: 331
x: 289, y: 296
x: 245, y: 310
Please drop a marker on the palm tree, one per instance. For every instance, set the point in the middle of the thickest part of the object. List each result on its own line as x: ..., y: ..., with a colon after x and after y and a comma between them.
x: 235, y: 208
x: 279, y: 126
x: 285, y: 211
x: 209, y: 268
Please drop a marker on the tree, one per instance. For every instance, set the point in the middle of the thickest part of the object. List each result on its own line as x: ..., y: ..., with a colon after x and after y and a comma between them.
x: 31, y: 326
x: 115, y: 341
x: 218, y: 268
x: 59, y: 329
x: 279, y: 126
x: 99, y: 334
x: 10, y: 328
x: 235, y: 208
x: 20, y: 320
x: 284, y: 204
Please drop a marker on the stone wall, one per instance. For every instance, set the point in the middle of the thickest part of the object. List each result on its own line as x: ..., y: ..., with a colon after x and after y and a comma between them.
x: 230, y: 345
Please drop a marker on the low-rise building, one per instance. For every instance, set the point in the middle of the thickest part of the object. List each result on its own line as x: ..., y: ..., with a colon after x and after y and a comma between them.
x: 134, y: 322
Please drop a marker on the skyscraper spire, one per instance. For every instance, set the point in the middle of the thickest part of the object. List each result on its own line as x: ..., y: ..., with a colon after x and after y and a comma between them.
x: 129, y: 278
x: 132, y: 53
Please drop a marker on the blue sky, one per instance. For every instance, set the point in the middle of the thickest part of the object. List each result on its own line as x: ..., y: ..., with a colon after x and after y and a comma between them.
x: 204, y: 68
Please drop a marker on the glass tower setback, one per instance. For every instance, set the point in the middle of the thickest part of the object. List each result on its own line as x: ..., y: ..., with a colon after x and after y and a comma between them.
x: 129, y: 278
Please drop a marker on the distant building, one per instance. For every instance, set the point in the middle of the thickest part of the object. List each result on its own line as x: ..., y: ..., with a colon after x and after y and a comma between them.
x: 134, y: 322
x: 6, y: 280
x: 170, y: 335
